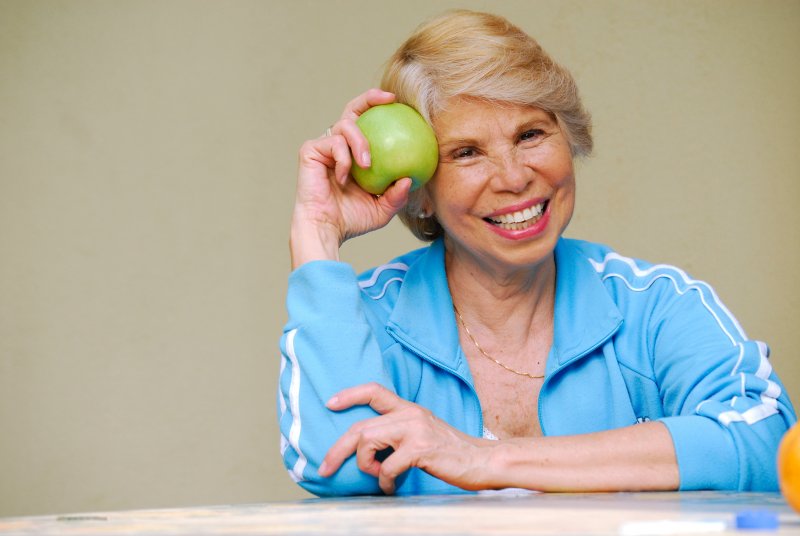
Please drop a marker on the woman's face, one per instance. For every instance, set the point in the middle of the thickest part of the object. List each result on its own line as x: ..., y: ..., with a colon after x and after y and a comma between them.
x: 504, y: 190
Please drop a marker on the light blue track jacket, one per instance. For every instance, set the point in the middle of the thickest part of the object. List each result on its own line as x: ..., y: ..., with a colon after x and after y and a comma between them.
x: 632, y: 342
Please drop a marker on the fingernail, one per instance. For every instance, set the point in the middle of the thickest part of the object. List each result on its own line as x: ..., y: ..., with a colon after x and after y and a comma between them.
x: 323, y: 468
x: 333, y: 401
x: 365, y: 159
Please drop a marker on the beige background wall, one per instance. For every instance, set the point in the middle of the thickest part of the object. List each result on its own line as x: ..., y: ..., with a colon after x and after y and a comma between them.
x: 147, y: 160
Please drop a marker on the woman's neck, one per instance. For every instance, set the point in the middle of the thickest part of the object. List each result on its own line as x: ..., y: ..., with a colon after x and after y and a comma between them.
x: 497, y: 298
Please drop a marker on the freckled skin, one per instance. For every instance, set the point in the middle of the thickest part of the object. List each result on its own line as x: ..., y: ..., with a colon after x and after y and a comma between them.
x: 492, y: 158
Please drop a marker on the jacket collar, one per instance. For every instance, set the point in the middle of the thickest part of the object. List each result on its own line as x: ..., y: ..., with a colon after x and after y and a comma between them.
x: 586, y: 316
x: 423, y: 317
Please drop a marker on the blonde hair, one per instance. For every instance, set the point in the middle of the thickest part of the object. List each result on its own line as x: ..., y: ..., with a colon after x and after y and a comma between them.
x: 481, y: 55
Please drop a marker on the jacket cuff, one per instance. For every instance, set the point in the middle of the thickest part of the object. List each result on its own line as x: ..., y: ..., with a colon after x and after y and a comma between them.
x: 705, y: 453
x: 323, y: 290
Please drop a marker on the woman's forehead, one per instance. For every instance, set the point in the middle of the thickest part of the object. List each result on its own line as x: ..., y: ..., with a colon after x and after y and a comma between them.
x: 462, y: 116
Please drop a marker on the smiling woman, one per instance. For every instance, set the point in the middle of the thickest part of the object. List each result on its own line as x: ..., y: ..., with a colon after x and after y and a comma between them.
x: 502, y: 355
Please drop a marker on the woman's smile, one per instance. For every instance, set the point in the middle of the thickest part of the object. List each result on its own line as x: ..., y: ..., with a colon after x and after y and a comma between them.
x: 512, y: 220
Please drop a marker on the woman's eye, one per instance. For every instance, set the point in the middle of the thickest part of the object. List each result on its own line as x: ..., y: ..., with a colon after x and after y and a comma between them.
x: 464, y: 152
x: 531, y: 134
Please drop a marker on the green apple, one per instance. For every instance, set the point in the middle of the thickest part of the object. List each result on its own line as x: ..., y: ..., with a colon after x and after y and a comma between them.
x: 401, y: 144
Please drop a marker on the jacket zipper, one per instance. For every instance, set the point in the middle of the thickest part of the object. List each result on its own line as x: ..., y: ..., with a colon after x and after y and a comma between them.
x: 583, y: 354
x: 416, y: 351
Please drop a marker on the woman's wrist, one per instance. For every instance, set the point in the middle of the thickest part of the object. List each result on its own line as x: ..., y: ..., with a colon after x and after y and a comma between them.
x: 487, y: 463
x: 499, y: 468
x: 312, y: 242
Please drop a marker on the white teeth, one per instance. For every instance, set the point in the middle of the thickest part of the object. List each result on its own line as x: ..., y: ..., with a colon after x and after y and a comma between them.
x: 514, y: 218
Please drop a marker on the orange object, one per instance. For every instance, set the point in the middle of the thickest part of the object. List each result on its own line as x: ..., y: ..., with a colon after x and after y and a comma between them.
x: 789, y: 466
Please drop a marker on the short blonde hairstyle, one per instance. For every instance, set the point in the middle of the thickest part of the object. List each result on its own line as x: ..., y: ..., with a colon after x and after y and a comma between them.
x: 468, y: 53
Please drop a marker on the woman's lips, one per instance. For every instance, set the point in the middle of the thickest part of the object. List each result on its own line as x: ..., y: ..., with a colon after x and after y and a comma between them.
x: 519, y: 219
x: 522, y: 223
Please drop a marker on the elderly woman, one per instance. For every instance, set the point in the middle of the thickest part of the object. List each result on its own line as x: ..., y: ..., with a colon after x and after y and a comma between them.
x: 502, y: 355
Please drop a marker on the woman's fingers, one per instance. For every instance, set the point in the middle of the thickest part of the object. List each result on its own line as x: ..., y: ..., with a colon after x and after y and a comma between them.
x: 323, y: 153
x: 350, y: 442
x: 372, y: 441
x: 344, y: 138
x: 392, y: 467
x: 370, y: 438
x: 358, y: 144
x: 341, y: 156
x: 346, y: 126
x: 376, y: 443
x: 373, y: 394
x: 381, y: 400
x: 365, y: 101
x: 367, y: 437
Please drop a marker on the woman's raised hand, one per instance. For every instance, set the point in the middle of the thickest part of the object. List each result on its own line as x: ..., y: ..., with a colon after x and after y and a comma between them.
x: 416, y: 437
x: 329, y: 206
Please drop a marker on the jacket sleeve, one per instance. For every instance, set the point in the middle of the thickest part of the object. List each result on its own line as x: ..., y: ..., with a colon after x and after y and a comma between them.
x: 326, y: 346
x: 728, y: 408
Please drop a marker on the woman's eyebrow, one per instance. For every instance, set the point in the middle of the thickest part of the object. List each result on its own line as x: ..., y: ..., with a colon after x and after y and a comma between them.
x: 459, y: 141
x: 537, y: 122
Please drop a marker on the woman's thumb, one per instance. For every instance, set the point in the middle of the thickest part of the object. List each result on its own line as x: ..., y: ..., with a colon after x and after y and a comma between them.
x: 396, y: 196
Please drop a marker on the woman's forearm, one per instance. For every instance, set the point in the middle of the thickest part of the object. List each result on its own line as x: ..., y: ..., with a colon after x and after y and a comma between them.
x: 639, y: 457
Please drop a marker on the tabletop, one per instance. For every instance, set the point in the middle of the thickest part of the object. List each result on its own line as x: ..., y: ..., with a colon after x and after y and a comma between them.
x: 510, y: 513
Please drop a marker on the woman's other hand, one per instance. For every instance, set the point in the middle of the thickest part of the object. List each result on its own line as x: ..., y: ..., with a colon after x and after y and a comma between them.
x: 416, y: 437
x: 329, y: 206
x: 638, y: 457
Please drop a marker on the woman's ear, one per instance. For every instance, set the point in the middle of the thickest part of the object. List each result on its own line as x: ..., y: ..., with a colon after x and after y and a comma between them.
x: 425, y: 204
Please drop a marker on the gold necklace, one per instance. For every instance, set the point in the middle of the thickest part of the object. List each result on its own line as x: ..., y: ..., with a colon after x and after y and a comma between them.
x: 483, y: 352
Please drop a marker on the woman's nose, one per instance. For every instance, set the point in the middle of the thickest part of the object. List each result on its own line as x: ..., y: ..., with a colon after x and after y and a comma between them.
x: 512, y: 174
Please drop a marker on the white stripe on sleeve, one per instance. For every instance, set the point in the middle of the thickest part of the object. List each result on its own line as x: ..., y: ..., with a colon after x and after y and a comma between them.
x: 682, y: 284
x: 391, y: 266
x: 294, y: 404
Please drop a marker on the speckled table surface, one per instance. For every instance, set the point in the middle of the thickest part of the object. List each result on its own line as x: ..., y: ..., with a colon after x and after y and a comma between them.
x: 509, y: 513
